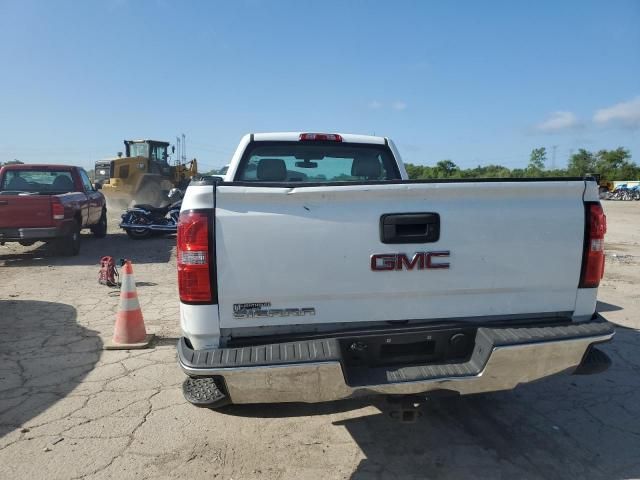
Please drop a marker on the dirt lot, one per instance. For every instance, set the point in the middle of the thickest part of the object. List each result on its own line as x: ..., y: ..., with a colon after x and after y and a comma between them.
x: 68, y: 409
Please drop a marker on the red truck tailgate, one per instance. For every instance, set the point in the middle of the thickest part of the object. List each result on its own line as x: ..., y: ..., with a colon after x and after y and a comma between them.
x: 24, y: 211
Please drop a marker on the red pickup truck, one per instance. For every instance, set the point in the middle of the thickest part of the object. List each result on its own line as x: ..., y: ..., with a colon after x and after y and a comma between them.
x: 49, y: 203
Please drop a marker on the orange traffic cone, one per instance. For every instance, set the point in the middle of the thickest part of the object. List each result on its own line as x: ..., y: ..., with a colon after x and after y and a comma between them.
x: 129, y: 331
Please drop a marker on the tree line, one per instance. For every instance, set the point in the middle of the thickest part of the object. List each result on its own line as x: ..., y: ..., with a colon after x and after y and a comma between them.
x: 610, y: 164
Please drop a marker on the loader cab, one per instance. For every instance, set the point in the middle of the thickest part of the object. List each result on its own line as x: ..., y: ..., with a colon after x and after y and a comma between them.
x: 156, y: 153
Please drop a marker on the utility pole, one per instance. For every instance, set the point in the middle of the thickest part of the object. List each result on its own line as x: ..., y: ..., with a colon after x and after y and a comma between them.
x: 553, y: 157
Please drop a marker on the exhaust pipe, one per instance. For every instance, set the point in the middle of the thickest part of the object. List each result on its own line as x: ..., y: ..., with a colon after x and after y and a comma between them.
x: 155, y: 228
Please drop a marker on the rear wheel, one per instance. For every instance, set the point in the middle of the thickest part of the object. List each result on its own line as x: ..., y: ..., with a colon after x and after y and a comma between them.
x: 99, y: 230
x: 69, y: 245
x: 138, y: 233
x: 205, y: 392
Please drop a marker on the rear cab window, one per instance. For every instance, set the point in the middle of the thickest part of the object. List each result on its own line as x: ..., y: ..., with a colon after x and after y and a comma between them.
x: 317, y: 162
x: 37, y: 181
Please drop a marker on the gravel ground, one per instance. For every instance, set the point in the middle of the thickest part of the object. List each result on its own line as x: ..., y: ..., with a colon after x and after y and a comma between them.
x: 68, y: 409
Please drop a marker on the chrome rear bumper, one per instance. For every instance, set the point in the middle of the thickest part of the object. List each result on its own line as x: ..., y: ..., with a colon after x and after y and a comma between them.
x: 35, y: 233
x: 313, y: 371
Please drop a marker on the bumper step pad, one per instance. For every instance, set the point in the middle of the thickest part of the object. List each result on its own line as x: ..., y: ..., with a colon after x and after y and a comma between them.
x: 204, y: 392
x: 274, y: 354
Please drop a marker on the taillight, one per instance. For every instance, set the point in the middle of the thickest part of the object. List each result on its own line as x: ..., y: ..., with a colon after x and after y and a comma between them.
x: 194, y: 273
x: 593, y: 259
x: 57, y: 209
x: 320, y: 137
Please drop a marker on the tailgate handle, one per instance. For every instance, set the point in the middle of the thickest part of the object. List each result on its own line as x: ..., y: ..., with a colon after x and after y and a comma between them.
x: 410, y: 227
x: 4, y: 202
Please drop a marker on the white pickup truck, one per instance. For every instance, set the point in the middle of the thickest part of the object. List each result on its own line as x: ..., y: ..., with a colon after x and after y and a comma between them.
x: 317, y: 271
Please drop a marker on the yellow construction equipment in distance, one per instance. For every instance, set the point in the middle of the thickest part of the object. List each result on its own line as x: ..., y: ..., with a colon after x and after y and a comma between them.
x: 144, y: 175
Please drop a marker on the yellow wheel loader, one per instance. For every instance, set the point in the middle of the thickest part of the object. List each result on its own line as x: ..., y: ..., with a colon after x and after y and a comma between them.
x: 604, y: 186
x: 143, y: 175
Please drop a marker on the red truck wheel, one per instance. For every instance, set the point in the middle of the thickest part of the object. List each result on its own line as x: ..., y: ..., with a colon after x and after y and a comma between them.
x: 99, y: 230
x: 69, y: 245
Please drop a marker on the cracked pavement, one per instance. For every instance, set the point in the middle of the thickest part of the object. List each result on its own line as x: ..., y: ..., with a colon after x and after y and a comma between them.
x: 70, y: 410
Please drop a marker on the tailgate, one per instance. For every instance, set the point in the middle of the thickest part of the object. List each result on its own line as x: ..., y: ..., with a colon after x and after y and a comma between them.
x: 303, y: 255
x: 24, y: 211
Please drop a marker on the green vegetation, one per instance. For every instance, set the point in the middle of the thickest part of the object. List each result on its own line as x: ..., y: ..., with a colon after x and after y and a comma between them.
x: 610, y: 164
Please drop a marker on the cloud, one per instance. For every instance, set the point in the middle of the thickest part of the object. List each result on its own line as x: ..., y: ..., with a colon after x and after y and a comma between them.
x: 397, y: 105
x: 624, y: 113
x: 558, y: 122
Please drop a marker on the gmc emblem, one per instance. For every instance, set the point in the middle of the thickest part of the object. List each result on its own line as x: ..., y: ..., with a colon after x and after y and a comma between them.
x: 399, y: 261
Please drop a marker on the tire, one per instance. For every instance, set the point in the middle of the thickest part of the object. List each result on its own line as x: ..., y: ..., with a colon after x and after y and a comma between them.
x: 99, y: 230
x: 69, y: 245
x: 205, y: 393
x: 138, y: 233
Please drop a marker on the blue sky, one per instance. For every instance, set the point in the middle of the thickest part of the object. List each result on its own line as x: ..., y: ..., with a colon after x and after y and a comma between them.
x: 475, y: 82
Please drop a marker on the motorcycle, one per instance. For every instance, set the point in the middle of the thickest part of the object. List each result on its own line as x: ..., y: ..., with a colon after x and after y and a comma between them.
x: 624, y: 192
x: 142, y: 220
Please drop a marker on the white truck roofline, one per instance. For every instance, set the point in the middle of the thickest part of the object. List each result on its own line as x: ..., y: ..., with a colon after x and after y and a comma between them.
x: 295, y: 136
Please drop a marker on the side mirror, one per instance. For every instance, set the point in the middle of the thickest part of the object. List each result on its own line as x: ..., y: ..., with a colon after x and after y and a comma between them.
x: 97, y: 186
